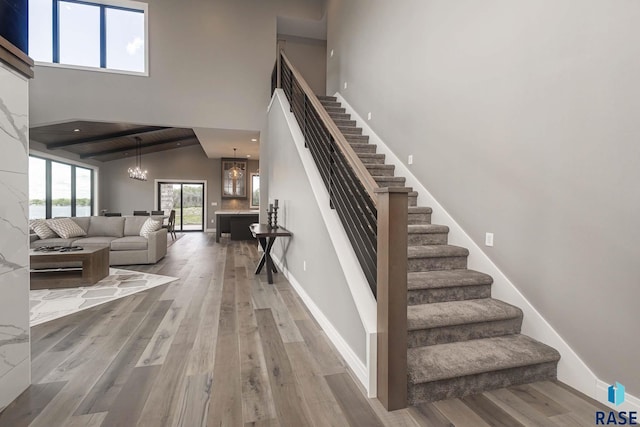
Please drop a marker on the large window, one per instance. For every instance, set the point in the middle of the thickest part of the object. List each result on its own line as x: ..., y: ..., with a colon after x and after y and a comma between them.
x: 89, y: 34
x: 59, y: 189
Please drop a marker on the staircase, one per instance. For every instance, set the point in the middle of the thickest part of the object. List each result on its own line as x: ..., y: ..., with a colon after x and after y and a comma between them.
x: 460, y: 340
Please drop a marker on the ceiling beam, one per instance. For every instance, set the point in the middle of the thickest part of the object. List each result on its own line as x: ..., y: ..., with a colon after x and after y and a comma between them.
x: 133, y: 147
x: 107, y: 137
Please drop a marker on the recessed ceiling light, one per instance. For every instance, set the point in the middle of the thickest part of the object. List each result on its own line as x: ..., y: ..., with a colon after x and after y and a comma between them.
x: 76, y: 130
x: 248, y: 155
x: 178, y: 143
x: 254, y: 140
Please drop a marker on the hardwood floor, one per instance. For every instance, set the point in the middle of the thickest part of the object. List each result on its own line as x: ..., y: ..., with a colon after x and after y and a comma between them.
x: 221, y: 347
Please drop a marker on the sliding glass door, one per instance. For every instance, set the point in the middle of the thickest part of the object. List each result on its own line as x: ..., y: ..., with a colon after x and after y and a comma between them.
x: 188, y: 201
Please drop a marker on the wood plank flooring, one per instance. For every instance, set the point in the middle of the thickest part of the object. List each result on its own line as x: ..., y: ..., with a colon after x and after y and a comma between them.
x: 221, y: 347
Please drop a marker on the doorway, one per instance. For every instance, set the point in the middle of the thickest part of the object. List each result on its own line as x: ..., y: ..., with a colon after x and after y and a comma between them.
x: 188, y: 200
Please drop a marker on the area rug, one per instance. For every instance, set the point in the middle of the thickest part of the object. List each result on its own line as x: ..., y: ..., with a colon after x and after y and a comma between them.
x: 49, y: 304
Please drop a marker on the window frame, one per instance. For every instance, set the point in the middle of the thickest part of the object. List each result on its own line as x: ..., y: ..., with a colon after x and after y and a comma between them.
x: 48, y: 202
x: 127, y: 5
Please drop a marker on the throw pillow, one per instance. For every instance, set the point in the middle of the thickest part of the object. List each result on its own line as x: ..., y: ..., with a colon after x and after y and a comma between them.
x: 40, y: 227
x: 66, y: 228
x: 149, y: 226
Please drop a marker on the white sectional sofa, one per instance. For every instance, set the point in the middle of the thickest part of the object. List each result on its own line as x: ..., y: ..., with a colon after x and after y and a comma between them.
x: 121, y: 234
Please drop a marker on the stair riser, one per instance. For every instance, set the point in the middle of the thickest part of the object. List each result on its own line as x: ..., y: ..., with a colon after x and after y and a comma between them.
x: 357, y: 138
x: 340, y: 116
x: 379, y: 172
x: 473, y: 331
x: 437, y: 263
x: 332, y: 110
x: 329, y: 104
x: 473, y: 384
x: 419, y: 218
x: 364, y: 148
x: 428, y: 239
x: 371, y: 161
x: 457, y: 293
x: 413, y: 200
x: 350, y: 130
x: 390, y: 183
x: 344, y: 123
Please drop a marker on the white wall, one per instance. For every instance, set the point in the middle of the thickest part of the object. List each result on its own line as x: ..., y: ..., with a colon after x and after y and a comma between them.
x: 522, y: 119
x: 323, y: 281
x: 15, y: 363
x: 210, y: 67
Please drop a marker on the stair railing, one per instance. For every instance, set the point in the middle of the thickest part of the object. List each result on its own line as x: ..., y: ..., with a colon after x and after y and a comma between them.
x: 375, y: 220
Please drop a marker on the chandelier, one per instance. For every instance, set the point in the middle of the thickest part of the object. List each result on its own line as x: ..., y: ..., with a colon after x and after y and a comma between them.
x: 235, y: 172
x: 137, y: 172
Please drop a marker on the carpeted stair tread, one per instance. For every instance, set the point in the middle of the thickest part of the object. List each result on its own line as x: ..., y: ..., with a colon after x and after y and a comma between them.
x: 339, y: 116
x: 436, y: 315
x: 420, y: 209
x: 326, y: 103
x: 427, y: 229
x: 446, y: 279
x: 459, y: 359
x: 350, y: 130
x: 344, y: 122
x: 436, y: 251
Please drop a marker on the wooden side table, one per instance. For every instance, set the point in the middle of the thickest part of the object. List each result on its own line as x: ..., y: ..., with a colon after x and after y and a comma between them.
x: 267, y: 237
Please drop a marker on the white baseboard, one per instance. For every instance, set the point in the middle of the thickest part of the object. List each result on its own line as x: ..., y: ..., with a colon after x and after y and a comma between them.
x: 571, y: 368
x: 210, y: 230
x: 352, y: 359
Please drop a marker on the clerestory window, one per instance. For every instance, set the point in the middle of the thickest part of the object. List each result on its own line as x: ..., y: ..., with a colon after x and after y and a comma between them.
x: 108, y: 36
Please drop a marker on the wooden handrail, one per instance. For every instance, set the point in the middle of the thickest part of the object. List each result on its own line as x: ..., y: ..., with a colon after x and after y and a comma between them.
x: 370, y: 185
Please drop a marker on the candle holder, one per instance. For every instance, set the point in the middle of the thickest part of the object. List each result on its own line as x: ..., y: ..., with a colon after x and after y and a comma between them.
x: 275, y: 217
x: 270, y: 218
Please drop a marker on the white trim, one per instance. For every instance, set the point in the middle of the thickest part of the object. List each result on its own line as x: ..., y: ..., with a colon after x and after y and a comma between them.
x: 631, y: 403
x: 85, y: 68
x: 358, y: 285
x: 347, y: 353
x: 571, y: 368
x: 210, y: 230
x: 182, y: 181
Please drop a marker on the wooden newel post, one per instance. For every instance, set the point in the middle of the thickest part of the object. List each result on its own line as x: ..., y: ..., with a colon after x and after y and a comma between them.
x: 392, y: 206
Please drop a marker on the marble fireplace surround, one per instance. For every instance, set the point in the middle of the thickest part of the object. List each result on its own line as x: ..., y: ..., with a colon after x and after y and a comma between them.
x: 14, y: 250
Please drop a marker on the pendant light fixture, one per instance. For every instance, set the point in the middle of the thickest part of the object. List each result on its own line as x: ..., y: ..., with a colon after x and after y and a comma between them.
x: 235, y: 172
x: 137, y: 172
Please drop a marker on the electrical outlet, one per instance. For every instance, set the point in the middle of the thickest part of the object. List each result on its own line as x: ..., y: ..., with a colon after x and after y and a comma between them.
x: 331, y: 54
x: 214, y: 203
x: 345, y: 85
x: 410, y: 159
x: 369, y: 116
x: 488, y: 239
x: 304, y: 265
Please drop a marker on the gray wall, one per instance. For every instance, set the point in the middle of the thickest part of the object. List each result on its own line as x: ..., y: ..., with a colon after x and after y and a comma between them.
x: 323, y: 279
x: 523, y: 121
x: 309, y: 56
x: 119, y: 193
x: 210, y: 66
